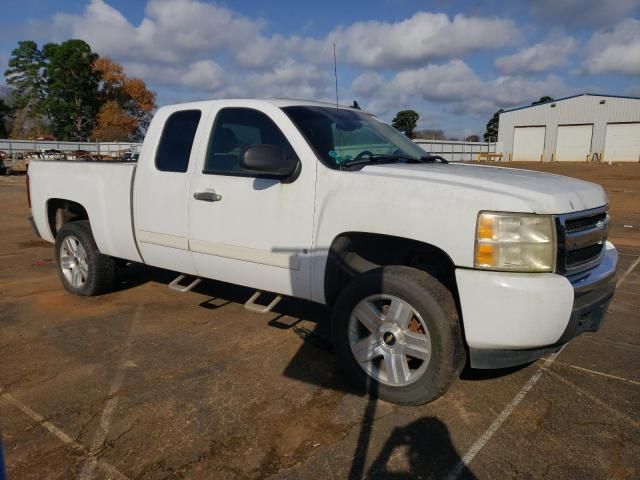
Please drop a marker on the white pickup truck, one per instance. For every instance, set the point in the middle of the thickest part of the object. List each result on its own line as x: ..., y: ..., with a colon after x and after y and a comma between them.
x: 427, y: 264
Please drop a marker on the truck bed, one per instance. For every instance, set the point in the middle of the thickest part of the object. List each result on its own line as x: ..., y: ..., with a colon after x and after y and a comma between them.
x: 103, y: 188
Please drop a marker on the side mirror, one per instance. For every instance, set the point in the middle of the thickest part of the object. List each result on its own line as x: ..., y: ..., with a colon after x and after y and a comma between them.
x: 268, y: 160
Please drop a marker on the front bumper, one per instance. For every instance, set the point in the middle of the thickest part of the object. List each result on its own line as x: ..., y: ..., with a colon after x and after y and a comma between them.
x: 514, y: 318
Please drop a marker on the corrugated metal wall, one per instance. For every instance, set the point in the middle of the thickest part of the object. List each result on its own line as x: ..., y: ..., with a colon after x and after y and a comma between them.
x: 584, y: 109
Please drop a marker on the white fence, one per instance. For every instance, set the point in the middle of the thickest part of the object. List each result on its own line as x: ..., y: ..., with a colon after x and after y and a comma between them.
x: 100, y: 148
x: 456, y: 151
x: 451, y: 150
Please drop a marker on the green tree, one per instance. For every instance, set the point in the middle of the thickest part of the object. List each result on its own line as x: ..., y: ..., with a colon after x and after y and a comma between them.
x: 5, y: 116
x: 25, y: 76
x: 545, y: 99
x: 72, y: 89
x: 406, y: 121
x: 491, y: 135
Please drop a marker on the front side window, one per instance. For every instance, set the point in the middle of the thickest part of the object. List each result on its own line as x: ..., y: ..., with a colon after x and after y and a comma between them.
x: 176, y: 141
x: 235, y: 130
x: 339, y: 135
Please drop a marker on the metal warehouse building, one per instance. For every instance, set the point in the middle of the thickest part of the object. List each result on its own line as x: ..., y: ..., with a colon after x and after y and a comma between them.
x: 581, y: 128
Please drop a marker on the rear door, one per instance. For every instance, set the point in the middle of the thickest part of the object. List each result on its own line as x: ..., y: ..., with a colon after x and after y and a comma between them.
x: 162, y: 184
x: 258, y: 231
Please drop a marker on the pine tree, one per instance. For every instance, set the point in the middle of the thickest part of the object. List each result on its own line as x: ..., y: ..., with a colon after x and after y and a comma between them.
x: 72, y: 87
x: 25, y: 77
x: 5, y: 114
x: 491, y: 135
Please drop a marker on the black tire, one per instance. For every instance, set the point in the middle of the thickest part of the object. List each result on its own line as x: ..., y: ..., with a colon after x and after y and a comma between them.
x: 102, y: 271
x: 436, y: 306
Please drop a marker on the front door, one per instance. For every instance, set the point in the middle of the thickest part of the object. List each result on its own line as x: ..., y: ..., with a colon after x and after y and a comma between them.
x: 245, y: 229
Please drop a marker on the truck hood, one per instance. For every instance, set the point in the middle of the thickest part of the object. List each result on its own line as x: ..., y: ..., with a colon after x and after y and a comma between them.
x: 543, y: 192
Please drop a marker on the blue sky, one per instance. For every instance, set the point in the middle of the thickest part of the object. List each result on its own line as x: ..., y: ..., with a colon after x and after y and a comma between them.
x: 453, y: 62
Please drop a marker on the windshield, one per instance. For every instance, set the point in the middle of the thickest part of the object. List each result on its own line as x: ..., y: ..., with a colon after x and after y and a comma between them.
x: 340, y: 136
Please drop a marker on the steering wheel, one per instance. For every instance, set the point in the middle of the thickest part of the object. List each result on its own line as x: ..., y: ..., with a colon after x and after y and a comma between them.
x: 363, y: 154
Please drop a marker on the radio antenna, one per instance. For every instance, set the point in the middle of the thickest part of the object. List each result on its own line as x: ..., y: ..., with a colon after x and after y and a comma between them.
x: 335, y: 72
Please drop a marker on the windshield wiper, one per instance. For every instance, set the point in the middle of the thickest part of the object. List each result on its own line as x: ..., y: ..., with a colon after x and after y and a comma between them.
x: 433, y: 158
x: 382, y: 158
x: 377, y: 158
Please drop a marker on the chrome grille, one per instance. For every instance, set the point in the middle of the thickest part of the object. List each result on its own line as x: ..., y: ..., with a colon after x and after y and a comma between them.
x: 584, y: 223
x: 581, y: 238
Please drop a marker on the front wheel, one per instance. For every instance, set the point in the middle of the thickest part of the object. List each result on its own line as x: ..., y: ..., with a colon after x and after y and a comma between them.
x: 397, y: 334
x: 82, y: 269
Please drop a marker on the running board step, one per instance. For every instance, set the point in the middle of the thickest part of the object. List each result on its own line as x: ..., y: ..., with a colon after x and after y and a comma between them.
x: 258, y: 308
x: 178, y: 287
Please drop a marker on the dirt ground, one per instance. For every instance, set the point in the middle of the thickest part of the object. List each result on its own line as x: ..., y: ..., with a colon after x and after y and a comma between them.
x: 150, y: 383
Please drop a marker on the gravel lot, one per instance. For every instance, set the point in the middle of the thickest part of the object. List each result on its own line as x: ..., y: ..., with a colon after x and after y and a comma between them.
x: 150, y: 383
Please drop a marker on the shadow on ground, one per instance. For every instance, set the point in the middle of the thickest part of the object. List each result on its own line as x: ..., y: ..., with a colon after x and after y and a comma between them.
x: 422, y: 449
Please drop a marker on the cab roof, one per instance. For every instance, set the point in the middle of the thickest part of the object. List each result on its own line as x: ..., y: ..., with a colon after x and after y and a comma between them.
x: 278, y: 102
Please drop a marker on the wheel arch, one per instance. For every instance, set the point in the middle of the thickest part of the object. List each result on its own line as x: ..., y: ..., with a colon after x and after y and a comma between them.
x: 60, y: 211
x: 353, y: 253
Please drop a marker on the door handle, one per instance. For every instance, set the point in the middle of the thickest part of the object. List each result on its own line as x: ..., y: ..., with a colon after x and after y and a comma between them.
x: 209, y: 196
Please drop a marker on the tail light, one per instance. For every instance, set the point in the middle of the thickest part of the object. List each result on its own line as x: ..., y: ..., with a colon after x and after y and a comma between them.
x: 28, y: 190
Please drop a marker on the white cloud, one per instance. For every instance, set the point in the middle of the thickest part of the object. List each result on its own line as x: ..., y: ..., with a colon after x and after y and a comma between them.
x: 381, y: 97
x: 184, y: 43
x: 204, y: 49
x: 423, y: 37
x: 101, y: 25
x: 537, y: 58
x: 457, y: 86
x: 447, y: 82
x: 263, y: 51
x: 211, y: 48
x: 186, y: 30
x: 506, y: 92
x: 171, y: 31
x: 615, y: 51
x: 368, y: 83
x: 204, y: 75
x: 287, y: 79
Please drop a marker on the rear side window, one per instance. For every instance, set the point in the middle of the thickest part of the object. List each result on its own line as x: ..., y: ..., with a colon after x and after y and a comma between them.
x: 176, y: 141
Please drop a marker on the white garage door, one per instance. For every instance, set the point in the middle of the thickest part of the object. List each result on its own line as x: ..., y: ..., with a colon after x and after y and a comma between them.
x: 528, y: 144
x: 622, y: 142
x: 574, y: 143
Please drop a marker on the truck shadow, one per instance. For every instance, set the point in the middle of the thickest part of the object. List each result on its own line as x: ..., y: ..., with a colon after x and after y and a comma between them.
x: 420, y: 449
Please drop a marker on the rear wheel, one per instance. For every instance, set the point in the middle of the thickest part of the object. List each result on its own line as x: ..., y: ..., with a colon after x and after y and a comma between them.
x: 82, y: 269
x: 397, y: 334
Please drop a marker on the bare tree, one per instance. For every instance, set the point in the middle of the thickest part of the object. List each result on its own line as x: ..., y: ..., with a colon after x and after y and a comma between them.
x: 430, y: 134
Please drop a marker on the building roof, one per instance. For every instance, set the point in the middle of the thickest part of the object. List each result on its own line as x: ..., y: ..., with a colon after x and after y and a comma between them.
x: 567, y: 98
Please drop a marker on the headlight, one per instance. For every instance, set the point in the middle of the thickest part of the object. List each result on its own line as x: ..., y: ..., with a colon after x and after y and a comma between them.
x: 515, y: 241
